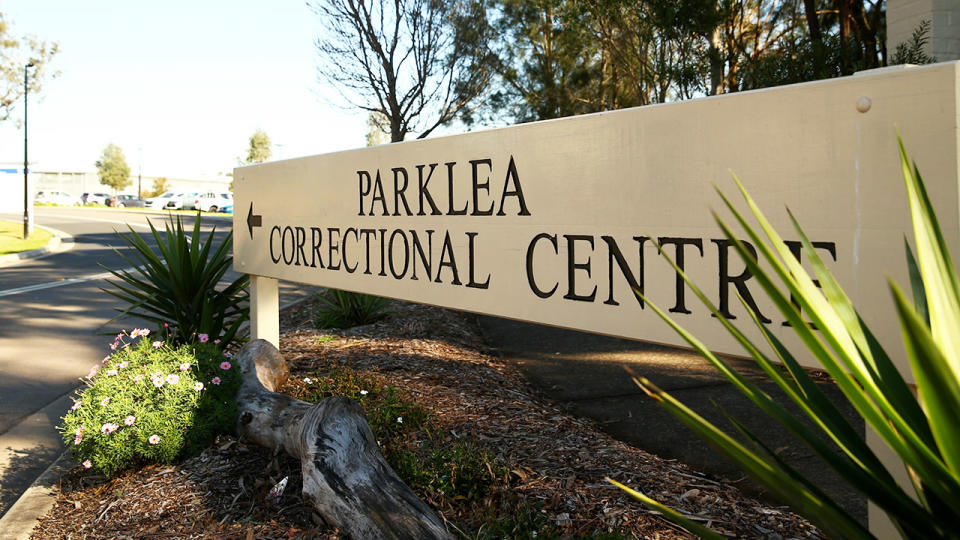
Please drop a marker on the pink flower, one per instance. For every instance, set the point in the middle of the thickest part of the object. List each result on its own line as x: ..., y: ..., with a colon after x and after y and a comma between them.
x: 228, y: 355
x: 216, y: 342
x: 80, y: 430
x: 111, y: 373
x: 216, y: 381
x: 165, y: 325
x: 144, y: 332
x: 157, y: 381
x: 157, y: 344
x: 87, y: 464
x: 173, y: 378
x: 113, y: 346
x: 120, y: 335
x: 95, y: 368
x: 76, y: 405
x: 154, y: 439
x: 104, y: 402
x: 107, y: 429
x: 122, y: 365
x: 106, y: 360
x: 130, y: 420
x: 204, y: 338
x: 198, y: 387
x: 224, y: 365
x: 135, y: 333
x: 137, y: 378
x: 77, y: 439
x: 184, y: 366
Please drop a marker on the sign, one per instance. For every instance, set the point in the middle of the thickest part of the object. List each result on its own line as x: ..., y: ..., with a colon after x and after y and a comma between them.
x: 555, y: 222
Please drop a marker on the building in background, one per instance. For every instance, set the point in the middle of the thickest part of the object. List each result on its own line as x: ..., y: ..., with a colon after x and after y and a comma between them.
x: 80, y: 182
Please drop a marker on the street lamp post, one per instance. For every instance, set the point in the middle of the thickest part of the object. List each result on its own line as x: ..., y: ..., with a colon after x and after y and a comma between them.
x: 27, y: 214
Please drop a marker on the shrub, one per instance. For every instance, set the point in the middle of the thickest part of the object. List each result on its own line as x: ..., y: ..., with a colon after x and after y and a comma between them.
x: 176, y: 288
x: 922, y: 428
x: 343, y: 309
x: 150, y: 401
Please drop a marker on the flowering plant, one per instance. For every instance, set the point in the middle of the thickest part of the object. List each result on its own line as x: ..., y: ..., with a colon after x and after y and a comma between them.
x: 150, y: 402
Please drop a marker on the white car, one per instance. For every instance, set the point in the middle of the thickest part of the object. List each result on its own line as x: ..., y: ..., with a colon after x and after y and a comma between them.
x: 171, y: 200
x: 47, y: 196
x: 209, y: 201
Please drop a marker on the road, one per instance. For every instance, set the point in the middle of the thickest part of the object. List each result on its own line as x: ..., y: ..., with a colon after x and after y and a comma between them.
x: 52, y: 321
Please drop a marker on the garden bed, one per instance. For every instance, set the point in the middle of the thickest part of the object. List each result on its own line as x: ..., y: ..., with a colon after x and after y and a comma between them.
x: 490, y: 455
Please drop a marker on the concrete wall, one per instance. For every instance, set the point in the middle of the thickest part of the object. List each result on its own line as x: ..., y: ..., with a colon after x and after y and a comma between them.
x: 903, y: 16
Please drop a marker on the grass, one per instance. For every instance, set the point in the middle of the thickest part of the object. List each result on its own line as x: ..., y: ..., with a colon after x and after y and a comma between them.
x: 11, y: 238
x: 452, y: 474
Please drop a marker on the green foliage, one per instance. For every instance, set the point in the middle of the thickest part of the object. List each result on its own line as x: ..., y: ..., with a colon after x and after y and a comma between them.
x: 260, y: 148
x: 343, y: 309
x: 15, y: 53
x: 913, y: 51
x: 159, y: 187
x: 176, y: 286
x: 921, y: 429
x: 150, y: 401
x: 113, y: 169
x: 446, y: 471
x: 383, y: 403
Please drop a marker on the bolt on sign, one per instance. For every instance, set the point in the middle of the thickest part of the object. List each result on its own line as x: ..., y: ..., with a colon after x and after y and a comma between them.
x: 557, y: 222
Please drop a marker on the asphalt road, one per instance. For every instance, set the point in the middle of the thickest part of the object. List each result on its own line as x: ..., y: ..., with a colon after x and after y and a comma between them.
x: 52, y: 319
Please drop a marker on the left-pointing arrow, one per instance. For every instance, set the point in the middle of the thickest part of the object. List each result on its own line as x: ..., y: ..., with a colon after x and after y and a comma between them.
x: 253, y: 220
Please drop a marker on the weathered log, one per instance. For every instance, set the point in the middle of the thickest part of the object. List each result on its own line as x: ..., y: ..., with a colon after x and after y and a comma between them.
x: 344, y: 474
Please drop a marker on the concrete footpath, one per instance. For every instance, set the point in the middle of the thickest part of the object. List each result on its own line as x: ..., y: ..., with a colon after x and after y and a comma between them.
x: 585, y: 374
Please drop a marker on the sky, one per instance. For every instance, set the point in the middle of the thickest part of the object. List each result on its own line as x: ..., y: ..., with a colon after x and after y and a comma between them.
x: 179, y: 85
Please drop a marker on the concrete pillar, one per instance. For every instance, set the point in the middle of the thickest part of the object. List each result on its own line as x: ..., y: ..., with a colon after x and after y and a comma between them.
x: 904, y: 16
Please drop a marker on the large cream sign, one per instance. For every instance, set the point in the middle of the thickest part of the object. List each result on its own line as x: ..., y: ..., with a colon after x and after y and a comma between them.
x: 557, y: 222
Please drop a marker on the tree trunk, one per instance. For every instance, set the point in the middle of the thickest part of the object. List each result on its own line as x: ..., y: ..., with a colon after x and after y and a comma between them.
x: 344, y: 474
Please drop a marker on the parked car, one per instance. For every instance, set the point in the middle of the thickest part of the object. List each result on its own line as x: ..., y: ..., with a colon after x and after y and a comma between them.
x: 48, y: 196
x: 128, y: 201
x: 209, y: 201
x: 95, y: 198
x: 189, y: 200
x: 169, y: 200
x: 228, y: 208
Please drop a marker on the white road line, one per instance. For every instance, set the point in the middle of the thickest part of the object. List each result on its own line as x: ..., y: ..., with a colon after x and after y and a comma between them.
x: 61, y: 283
x: 79, y: 218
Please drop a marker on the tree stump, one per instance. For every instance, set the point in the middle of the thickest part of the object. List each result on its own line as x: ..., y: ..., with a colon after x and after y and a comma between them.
x: 344, y: 474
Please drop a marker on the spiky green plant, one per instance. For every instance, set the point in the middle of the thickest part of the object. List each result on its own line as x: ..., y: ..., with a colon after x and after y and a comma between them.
x: 177, y: 287
x: 923, y: 429
x: 344, y: 309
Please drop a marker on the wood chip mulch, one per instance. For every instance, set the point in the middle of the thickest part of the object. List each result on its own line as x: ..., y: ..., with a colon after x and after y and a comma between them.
x: 558, y: 462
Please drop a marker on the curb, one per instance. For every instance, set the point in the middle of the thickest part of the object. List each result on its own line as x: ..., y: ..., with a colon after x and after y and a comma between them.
x: 60, y: 242
x: 22, y: 517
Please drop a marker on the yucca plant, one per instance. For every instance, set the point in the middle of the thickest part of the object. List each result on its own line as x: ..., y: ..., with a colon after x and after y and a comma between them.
x: 343, y: 309
x: 923, y: 430
x: 176, y: 287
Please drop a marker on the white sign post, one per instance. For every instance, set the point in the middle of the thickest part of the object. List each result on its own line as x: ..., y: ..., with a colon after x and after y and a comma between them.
x: 554, y: 222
